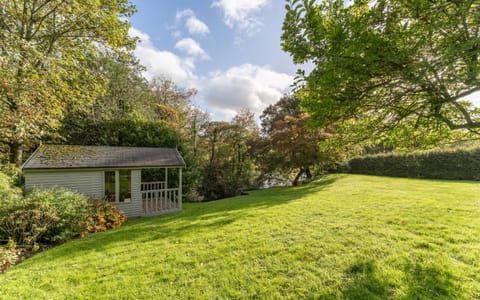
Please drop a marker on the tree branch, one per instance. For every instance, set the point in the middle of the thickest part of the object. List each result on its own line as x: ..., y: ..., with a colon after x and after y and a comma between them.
x: 465, y: 93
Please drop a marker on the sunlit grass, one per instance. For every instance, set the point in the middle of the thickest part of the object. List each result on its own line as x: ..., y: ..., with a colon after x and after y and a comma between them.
x: 344, y: 236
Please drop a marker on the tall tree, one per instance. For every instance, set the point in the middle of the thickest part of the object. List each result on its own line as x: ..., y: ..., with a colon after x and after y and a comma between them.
x: 171, y: 102
x: 126, y: 97
x: 289, y: 145
x: 48, y: 55
x: 229, y: 168
x: 387, y: 62
x: 173, y: 105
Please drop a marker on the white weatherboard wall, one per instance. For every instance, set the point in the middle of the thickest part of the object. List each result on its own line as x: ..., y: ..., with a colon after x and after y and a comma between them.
x: 90, y: 183
x: 85, y: 182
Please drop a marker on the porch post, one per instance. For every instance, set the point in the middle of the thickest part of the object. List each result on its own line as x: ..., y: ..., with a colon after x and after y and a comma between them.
x: 117, y: 186
x: 166, y: 178
x: 180, y: 188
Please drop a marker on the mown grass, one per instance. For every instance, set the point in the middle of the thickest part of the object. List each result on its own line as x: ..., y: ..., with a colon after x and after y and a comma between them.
x: 345, y: 236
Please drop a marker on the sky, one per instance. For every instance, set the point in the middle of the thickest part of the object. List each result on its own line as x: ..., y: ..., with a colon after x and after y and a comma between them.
x: 229, y: 50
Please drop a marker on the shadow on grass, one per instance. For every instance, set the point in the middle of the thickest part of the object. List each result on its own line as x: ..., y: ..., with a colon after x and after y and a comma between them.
x: 420, y: 282
x: 365, y: 283
x: 431, y: 282
x: 194, y: 218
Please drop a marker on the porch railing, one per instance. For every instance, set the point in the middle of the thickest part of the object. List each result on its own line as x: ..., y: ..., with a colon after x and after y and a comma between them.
x: 150, y: 186
x: 158, y: 200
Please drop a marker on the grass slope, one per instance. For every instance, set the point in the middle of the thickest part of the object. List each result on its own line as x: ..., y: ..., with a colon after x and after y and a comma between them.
x: 345, y: 236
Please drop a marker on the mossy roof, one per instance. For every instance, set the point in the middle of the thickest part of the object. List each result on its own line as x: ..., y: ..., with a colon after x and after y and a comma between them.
x: 79, y: 157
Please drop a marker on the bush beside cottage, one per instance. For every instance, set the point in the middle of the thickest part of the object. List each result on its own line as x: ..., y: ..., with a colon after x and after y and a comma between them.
x: 44, y: 218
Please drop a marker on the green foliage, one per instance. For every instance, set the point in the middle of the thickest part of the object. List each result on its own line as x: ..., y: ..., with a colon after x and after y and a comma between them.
x: 48, y: 61
x: 70, y: 210
x: 215, y: 184
x: 44, y: 216
x: 387, y: 63
x: 81, y: 130
x: 8, y: 192
x: 229, y: 168
x: 28, y: 222
x: 9, y: 197
x: 133, y: 113
x: 463, y: 164
x: 12, y: 173
x: 289, y: 146
x: 102, y: 215
x: 342, y: 237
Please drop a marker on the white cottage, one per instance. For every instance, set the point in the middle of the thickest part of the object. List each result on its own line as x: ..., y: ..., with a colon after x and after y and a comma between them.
x: 111, y: 173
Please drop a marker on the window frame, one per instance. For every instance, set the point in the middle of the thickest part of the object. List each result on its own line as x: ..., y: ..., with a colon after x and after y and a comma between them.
x: 117, y: 186
x: 129, y: 182
x: 108, y: 196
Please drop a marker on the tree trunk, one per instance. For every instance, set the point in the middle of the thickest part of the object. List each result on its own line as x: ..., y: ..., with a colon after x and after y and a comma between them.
x: 308, y: 173
x: 16, y: 154
x: 212, y: 149
x: 195, y: 136
x: 295, y: 181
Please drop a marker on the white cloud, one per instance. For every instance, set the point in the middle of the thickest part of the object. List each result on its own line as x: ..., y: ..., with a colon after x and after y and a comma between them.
x: 184, y: 13
x: 191, y: 47
x: 474, y: 98
x: 177, y: 34
x: 160, y: 63
x: 144, y: 38
x: 193, y: 24
x: 241, y: 13
x: 222, y: 93
x: 245, y: 86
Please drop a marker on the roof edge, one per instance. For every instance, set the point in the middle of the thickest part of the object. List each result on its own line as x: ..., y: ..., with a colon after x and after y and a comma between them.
x: 181, y: 157
x: 105, y: 168
x: 31, y: 156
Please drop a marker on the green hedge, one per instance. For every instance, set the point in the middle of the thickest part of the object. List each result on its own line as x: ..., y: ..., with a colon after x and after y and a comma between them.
x: 455, y: 164
x: 43, y: 216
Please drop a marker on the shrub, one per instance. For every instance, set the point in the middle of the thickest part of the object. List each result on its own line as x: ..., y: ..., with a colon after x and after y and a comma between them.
x: 12, y: 173
x: 28, y: 222
x: 9, y: 194
x: 459, y: 164
x: 9, y: 257
x: 103, y: 215
x: 44, y: 216
x: 70, y: 210
x: 215, y: 184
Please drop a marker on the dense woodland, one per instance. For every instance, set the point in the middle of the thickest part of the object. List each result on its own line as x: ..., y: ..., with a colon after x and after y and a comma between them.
x: 67, y: 79
x: 68, y: 76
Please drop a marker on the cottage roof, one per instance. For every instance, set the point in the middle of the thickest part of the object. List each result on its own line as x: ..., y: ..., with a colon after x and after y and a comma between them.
x: 78, y: 157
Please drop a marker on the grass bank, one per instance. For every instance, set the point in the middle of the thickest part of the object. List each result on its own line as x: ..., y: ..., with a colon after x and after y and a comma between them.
x: 346, y: 236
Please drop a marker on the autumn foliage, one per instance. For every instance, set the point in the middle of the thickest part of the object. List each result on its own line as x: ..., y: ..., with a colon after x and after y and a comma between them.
x: 9, y: 257
x: 289, y: 145
x: 103, y: 216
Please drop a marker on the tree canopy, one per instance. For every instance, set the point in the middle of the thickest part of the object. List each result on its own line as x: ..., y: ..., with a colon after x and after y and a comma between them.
x: 288, y: 146
x: 49, y: 53
x: 386, y: 63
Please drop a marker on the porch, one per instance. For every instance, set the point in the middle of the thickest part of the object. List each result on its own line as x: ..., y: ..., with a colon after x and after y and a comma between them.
x: 160, y: 197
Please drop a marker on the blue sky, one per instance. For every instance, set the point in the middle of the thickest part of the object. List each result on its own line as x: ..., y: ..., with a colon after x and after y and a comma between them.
x: 229, y: 50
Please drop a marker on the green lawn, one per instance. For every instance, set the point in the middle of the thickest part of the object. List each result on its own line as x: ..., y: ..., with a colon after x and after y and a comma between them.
x: 345, y: 236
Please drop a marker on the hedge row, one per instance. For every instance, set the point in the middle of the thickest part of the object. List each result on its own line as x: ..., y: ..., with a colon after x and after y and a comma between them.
x: 455, y: 164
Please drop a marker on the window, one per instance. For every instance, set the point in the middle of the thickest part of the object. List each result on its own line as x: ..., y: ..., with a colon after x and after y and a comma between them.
x: 118, y: 186
x: 125, y: 186
x: 110, y: 186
